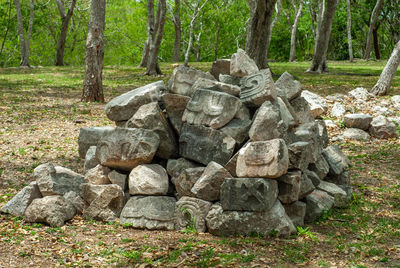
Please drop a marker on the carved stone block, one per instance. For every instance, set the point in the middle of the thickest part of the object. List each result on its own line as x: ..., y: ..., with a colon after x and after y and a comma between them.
x: 203, y: 83
x: 210, y: 108
x: 257, y: 88
x: 191, y: 212
x: 183, y: 78
x: 289, y: 187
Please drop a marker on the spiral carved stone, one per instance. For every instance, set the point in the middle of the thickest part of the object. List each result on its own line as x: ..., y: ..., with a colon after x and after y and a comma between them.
x: 257, y: 88
x: 191, y: 212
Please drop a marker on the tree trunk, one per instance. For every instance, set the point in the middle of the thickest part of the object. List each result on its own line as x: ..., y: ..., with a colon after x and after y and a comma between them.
x: 24, y: 56
x: 374, y: 18
x: 65, y: 19
x: 297, y: 13
x: 152, y: 63
x: 7, y: 28
x: 385, y: 80
x: 93, y: 83
x: 376, y: 43
x: 324, y: 31
x: 30, y: 26
x: 349, y: 39
x: 177, y: 26
x: 150, y: 33
x: 258, y: 30
x: 278, y: 8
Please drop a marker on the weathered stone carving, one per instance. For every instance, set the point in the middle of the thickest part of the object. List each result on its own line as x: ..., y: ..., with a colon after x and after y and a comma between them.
x: 248, y: 194
x: 90, y: 136
x: 191, y: 212
x: 242, y: 64
x: 187, y: 179
x: 257, y: 88
x: 203, y: 83
x: 183, y: 78
x: 210, y: 108
x: 126, y: 148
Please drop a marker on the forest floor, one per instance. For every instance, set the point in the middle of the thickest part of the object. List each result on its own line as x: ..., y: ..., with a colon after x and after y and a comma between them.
x: 40, y: 118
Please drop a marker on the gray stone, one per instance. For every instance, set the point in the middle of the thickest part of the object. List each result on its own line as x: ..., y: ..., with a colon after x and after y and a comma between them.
x: 18, y: 204
x: 248, y: 194
x: 299, y: 155
x: 268, y: 123
x: 176, y: 166
x: 56, y: 180
x: 90, y: 159
x: 126, y: 148
x: 309, y: 132
x: 263, y: 159
x: 313, y: 177
x: 257, y: 88
x: 90, y: 136
x: 98, y: 175
x: 191, y: 212
x: 53, y: 210
x: 105, y: 201
x: 150, y: 117
x: 396, y: 100
x: 360, y: 93
x: 150, y: 212
x: 208, y: 186
x: 355, y: 134
x: 238, y: 129
x: 382, y: 128
x: 290, y: 87
x: 242, y: 64
x: 285, y: 113
x: 348, y: 190
x: 203, y: 145
x: 317, y: 202
x: 210, y: 108
x: 302, y: 110
x: 341, y: 179
x: 338, y: 110
x: 175, y: 105
x: 336, y: 192
x: 337, y: 160
x: 77, y: 201
x: 296, y: 212
x: 223, y: 223
x: 187, y: 179
x: 229, y: 79
x: 183, y: 78
x: 317, y: 104
x: 121, y: 123
x: 361, y: 121
x: 118, y: 179
x: 148, y: 180
x: 289, y: 187
x: 243, y: 113
x: 124, y: 106
x: 322, y: 133
x: 220, y: 67
x: 306, y: 186
x: 320, y: 167
x: 231, y: 165
x: 213, y: 85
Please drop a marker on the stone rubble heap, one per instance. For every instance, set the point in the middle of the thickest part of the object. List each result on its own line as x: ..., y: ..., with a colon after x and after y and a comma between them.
x: 229, y: 152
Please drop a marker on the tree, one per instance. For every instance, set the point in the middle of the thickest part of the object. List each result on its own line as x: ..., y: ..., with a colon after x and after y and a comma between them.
x: 7, y: 27
x: 155, y: 38
x: 385, y: 80
x: 25, y: 42
x: 259, y: 30
x: 323, y: 34
x: 278, y: 8
x: 196, y: 9
x: 65, y: 19
x: 176, y: 20
x: 297, y: 12
x: 349, y: 40
x: 93, y: 80
x: 373, y: 19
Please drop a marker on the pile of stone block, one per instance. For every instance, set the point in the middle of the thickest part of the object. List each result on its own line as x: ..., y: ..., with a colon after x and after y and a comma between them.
x: 228, y: 153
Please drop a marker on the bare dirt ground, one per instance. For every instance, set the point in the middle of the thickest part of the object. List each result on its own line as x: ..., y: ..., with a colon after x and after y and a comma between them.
x: 40, y: 118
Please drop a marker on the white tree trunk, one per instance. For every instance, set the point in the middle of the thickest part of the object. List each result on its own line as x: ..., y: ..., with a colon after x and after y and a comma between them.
x: 292, y: 56
x: 374, y: 18
x: 385, y: 80
x: 93, y: 80
x: 24, y: 41
x: 278, y: 8
x: 349, y: 39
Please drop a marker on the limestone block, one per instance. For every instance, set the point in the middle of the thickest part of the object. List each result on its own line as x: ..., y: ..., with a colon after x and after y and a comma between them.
x: 175, y: 105
x: 317, y: 202
x: 257, y: 88
x: 183, y: 78
x: 18, y: 204
x: 191, y: 212
x: 289, y: 187
x: 150, y: 179
x: 242, y: 64
x: 288, y: 85
x: 361, y: 121
x: 90, y: 136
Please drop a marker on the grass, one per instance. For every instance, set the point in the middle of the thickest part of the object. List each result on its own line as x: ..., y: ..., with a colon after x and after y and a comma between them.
x: 39, y: 112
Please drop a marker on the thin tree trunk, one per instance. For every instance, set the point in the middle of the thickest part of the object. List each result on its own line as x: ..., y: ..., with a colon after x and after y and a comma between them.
x: 258, y: 30
x: 321, y: 11
x: 374, y: 18
x: 319, y: 60
x: 312, y: 7
x: 150, y: 33
x: 178, y: 32
x: 93, y: 80
x: 30, y: 26
x: 376, y: 43
x: 292, y: 56
x: 7, y: 28
x: 152, y: 63
x: 21, y: 33
x: 385, y: 80
x: 65, y: 19
x: 349, y: 39
x: 278, y: 8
